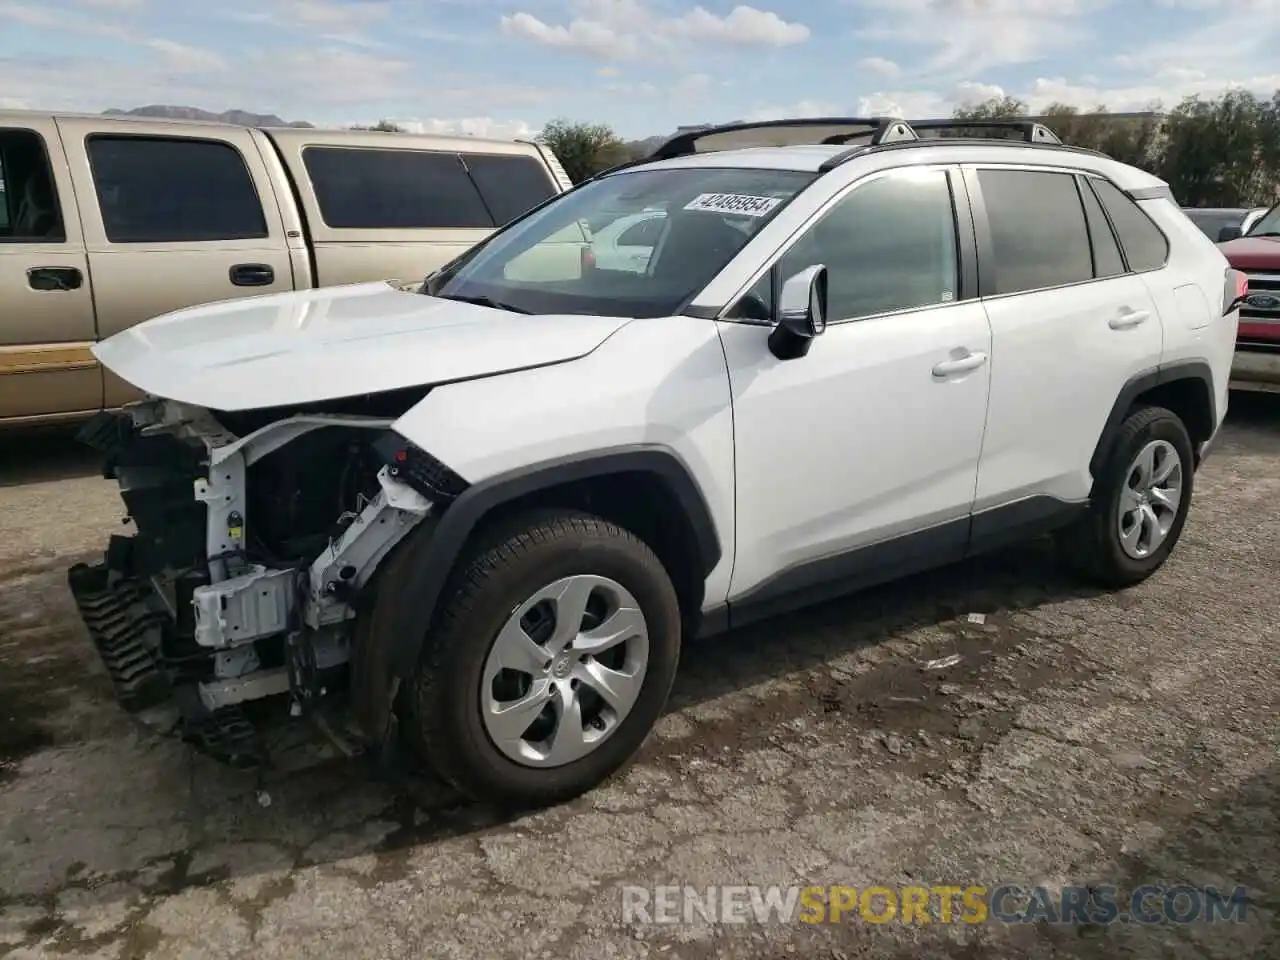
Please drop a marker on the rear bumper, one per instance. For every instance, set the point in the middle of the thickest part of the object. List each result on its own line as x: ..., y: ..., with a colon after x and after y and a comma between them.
x: 1256, y: 369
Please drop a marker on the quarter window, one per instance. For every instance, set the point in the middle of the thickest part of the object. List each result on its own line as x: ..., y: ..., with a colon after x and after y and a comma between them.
x: 1144, y: 245
x: 1038, y: 234
x: 171, y: 190
x: 509, y: 185
x: 367, y: 189
x: 1107, y: 261
x: 889, y: 245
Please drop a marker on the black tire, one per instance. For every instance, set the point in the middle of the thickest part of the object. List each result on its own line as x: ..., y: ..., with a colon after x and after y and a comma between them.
x: 1091, y: 547
x: 442, y: 719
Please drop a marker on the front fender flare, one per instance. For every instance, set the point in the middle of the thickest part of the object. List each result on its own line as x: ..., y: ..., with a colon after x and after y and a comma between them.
x: 428, y: 568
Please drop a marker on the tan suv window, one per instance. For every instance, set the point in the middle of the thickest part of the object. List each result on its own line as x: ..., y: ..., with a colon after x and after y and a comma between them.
x: 29, y: 201
x: 367, y: 189
x: 174, y: 190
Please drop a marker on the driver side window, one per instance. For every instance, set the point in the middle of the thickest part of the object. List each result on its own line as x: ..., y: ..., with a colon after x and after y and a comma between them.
x: 890, y: 244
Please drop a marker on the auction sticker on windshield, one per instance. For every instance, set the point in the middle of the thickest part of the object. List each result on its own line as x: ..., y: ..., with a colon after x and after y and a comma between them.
x: 738, y: 203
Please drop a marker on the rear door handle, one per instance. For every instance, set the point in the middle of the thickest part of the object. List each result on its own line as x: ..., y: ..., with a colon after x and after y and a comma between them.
x: 253, y: 275
x: 970, y: 361
x: 54, y: 278
x: 1128, y: 318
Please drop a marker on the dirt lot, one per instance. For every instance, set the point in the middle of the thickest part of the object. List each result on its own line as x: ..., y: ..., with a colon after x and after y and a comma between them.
x: 1081, y: 738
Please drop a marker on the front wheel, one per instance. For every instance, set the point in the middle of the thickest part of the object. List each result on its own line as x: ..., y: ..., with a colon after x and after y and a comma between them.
x: 1140, y: 505
x: 549, y: 664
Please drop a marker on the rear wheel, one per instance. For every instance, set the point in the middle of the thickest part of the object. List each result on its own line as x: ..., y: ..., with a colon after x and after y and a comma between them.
x: 549, y: 663
x: 1141, y: 501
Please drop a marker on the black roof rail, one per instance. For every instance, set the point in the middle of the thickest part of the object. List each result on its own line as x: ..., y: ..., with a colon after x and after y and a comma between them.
x: 877, y: 129
x: 1030, y: 130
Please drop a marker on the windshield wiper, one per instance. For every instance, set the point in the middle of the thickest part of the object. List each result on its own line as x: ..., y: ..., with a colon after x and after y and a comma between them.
x: 484, y: 302
x: 1265, y: 233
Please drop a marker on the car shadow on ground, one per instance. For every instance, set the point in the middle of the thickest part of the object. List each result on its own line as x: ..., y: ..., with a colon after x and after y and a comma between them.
x: 45, y: 454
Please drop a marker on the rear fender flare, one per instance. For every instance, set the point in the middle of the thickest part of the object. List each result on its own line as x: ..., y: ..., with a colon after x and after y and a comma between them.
x: 1158, y: 376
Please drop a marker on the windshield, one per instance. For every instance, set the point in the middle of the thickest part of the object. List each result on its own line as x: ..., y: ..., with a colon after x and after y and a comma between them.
x: 639, y: 243
x: 1268, y: 225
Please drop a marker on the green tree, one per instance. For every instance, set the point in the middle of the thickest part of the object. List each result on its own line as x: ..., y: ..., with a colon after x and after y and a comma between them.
x: 997, y: 108
x: 584, y: 149
x: 383, y: 126
x: 1129, y: 138
x: 1222, y: 152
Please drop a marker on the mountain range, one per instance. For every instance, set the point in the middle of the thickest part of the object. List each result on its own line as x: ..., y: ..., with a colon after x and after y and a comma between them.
x: 242, y: 117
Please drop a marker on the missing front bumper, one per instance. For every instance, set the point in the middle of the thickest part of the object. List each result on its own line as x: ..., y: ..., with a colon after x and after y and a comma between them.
x: 126, y: 624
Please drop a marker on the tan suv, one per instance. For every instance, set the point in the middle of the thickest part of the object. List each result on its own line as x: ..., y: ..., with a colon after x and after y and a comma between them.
x: 105, y: 222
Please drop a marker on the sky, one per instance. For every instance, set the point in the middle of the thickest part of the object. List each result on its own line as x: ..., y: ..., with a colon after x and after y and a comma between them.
x: 505, y: 67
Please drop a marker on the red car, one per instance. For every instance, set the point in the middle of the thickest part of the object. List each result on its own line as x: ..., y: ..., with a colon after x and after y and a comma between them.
x: 1257, y: 254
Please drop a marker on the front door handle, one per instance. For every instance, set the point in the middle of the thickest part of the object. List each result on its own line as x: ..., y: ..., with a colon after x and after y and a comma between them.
x: 253, y: 275
x: 54, y: 278
x: 948, y: 368
x: 1128, y: 318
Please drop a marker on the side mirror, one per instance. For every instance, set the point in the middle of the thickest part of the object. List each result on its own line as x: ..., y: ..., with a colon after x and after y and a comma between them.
x: 1229, y: 233
x: 801, y: 314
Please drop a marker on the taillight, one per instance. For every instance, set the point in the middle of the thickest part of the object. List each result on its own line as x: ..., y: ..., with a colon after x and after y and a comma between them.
x: 1235, y: 289
x: 588, y: 259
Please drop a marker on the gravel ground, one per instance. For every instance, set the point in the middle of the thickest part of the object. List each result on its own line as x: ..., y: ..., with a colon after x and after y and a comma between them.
x: 1080, y: 738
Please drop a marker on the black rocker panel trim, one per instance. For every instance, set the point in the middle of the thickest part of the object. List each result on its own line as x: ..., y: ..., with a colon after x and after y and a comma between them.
x: 834, y: 576
x: 1140, y: 384
x: 816, y: 581
x: 431, y: 568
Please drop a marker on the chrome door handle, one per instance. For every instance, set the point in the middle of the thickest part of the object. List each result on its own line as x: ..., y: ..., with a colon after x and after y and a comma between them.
x: 1128, y: 318
x: 971, y: 361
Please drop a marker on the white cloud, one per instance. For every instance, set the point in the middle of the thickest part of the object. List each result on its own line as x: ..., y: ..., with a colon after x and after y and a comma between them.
x: 629, y: 29
x: 328, y: 15
x: 113, y: 4
x: 1167, y: 90
x: 880, y: 66
x: 968, y: 92
x: 691, y: 87
x: 959, y: 37
x: 744, y: 26
x: 805, y: 108
x: 182, y: 57
x: 467, y: 127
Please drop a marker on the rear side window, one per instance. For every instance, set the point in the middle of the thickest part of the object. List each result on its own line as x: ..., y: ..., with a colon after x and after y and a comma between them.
x: 1144, y: 245
x: 509, y: 185
x: 173, y: 190
x: 368, y: 189
x: 1107, y: 261
x: 1038, y: 230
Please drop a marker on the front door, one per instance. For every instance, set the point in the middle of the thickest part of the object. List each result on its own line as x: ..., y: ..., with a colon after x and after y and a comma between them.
x: 46, y: 305
x: 858, y: 460
x: 173, y: 221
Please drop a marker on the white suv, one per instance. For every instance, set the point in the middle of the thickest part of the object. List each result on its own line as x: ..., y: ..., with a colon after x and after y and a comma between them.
x: 490, y: 512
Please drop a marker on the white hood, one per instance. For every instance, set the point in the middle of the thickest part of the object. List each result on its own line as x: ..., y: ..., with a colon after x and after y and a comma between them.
x: 295, y: 348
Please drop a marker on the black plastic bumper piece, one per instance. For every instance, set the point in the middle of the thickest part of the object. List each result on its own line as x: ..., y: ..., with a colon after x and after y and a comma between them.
x: 124, y: 628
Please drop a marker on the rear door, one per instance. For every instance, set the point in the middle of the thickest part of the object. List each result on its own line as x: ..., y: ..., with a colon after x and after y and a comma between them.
x: 1070, y: 325
x: 173, y: 220
x: 46, y: 305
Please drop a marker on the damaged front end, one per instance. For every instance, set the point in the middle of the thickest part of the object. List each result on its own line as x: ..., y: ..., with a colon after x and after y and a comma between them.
x: 255, y: 535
